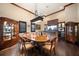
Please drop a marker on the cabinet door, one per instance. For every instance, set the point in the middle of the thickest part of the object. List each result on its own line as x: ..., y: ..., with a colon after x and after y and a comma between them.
x: 78, y: 32
x: 76, y: 29
x: 1, y: 31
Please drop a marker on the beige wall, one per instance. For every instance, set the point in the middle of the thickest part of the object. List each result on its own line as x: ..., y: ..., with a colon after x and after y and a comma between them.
x: 71, y: 13
x: 13, y: 12
x: 78, y: 11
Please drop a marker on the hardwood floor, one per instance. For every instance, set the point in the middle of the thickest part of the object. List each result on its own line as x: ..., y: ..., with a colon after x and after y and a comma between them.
x: 67, y: 49
x: 11, y: 51
x: 62, y: 49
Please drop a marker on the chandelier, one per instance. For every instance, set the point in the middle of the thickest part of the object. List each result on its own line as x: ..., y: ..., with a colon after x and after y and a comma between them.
x: 38, y: 16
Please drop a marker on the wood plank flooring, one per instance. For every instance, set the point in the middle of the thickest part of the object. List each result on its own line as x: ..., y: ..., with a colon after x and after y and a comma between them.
x: 62, y: 49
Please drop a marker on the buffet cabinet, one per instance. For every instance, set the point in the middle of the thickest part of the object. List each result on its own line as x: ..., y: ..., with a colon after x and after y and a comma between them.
x: 72, y: 32
x: 8, y: 32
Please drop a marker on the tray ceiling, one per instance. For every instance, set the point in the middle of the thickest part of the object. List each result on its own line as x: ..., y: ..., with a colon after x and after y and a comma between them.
x: 42, y: 8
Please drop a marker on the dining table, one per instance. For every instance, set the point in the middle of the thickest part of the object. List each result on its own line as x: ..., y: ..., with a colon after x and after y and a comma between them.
x: 40, y: 39
x: 36, y: 40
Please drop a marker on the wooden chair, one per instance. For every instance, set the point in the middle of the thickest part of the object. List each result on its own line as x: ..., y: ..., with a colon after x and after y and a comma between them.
x: 50, y: 47
x: 25, y: 45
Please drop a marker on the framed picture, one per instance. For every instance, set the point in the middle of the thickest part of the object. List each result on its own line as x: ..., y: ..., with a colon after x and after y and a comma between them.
x: 22, y: 27
x: 38, y: 27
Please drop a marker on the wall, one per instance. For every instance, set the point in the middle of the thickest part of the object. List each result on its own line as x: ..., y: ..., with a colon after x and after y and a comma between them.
x: 13, y: 12
x: 78, y: 11
x: 71, y: 13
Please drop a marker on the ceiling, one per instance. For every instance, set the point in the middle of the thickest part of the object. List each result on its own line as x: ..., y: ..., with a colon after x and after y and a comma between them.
x: 42, y: 8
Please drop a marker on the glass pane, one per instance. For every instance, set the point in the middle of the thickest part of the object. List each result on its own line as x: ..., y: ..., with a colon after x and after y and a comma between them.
x: 59, y: 25
x: 63, y: 25
x: 7, y: 31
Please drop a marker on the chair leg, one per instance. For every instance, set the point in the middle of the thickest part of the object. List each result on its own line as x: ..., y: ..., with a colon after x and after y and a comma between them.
x: 25, y: 51
x: 54, y: 51
x: 21, y: 49
x: 50, y: 52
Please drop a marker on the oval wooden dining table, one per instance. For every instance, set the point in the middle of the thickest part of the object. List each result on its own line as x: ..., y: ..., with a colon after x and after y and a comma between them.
x: 37, y: 40
x: 40, y: 39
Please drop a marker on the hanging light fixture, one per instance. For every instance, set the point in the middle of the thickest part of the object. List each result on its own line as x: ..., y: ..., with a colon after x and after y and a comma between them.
x: 36, y: 9
x: 37, y: 18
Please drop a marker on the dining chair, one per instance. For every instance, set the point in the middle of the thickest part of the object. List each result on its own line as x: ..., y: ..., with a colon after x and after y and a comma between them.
x: 50, y: 47
x: 25, y: 45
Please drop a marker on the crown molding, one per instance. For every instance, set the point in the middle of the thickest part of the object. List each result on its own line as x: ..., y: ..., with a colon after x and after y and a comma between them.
x: 60, y: 10
x: 22, y: 8
x: 44, y: 15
